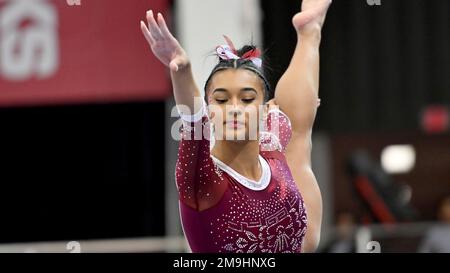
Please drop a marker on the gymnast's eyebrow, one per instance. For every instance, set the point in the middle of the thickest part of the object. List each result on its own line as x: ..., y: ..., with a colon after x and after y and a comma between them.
x: 245, y: 89
x: 248, y: 89
x: 220, y: 90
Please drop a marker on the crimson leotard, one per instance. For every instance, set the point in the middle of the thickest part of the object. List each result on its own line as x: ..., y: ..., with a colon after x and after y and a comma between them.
x: 222, y: 211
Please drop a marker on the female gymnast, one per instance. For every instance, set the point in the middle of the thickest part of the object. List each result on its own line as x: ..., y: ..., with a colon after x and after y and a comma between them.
x: 247, y: 194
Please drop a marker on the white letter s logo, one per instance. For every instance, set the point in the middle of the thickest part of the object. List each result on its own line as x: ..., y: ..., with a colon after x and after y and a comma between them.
x: 29, y: 51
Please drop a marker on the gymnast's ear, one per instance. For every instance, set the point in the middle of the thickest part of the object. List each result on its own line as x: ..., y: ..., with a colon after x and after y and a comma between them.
x: 212, y: 114
x: 271, y: 104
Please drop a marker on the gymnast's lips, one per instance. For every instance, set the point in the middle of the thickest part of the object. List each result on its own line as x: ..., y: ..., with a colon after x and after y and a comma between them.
x: 234, y: 124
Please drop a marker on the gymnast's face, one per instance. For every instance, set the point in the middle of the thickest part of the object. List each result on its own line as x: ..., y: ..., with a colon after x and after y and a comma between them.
x: 235, y: 99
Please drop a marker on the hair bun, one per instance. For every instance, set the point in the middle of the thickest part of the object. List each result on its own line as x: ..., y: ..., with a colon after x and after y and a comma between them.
x: 246, y: 49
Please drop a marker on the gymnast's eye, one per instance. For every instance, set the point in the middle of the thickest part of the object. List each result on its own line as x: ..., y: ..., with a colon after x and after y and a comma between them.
x: 248, y: 100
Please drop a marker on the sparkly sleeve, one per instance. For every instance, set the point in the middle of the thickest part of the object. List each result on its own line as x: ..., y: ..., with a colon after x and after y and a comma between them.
x: 197, y: 177
x: 278, y: 132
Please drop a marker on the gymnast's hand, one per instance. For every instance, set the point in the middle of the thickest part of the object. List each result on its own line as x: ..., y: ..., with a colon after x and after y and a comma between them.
x: 312, y: 16
x: 165, y: 47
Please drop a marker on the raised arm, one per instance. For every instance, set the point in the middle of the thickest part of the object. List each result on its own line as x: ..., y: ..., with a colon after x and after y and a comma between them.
x: 297, y: 90
x: 199, y: 186
x: 297, y: 95
x: 169, y: 51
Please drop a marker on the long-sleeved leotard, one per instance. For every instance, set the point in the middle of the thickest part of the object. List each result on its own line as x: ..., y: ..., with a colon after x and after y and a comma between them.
x: 222, y: 211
